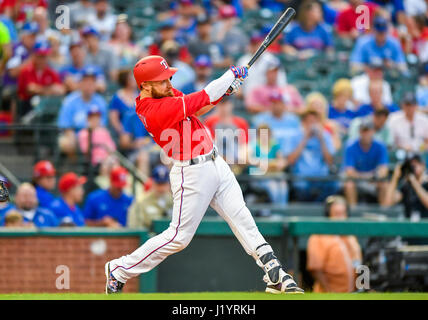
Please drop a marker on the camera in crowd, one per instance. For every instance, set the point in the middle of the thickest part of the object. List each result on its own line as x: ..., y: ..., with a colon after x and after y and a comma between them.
x: 407, y: 159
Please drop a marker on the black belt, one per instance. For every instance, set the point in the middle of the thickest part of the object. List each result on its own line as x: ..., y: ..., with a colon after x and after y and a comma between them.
x: 203, y: 158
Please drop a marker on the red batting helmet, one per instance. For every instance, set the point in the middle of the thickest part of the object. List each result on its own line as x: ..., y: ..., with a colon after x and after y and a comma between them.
x: 152, y: 68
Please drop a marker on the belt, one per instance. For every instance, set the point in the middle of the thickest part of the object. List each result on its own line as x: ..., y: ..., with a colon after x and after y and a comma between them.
x: 199, y: 159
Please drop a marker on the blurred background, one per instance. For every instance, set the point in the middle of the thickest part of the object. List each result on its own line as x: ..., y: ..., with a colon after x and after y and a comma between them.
x: 344, y: 95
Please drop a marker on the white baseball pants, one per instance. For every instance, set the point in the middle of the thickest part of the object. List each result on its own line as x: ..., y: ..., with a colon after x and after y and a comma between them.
x: 194, y: 188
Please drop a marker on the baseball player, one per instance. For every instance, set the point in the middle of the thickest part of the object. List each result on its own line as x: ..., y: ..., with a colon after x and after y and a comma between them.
x: 199, y: 177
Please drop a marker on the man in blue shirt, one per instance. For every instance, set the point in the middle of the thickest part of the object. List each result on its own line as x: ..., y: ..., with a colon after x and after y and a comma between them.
x: 72, y: 73
x: 74, y: 110
x: 109, y: 208
x: 365, y: 158
x: 378, y: 45
x: 284, y: 125
x: 310, y: 153
x: 44, y: 181
x: 310, y: 35
x: 66, y: 206
x: 26, y: 204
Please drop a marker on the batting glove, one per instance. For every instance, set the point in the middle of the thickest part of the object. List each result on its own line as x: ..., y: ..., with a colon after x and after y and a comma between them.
x: 239, y: 72
x: 234, y: 87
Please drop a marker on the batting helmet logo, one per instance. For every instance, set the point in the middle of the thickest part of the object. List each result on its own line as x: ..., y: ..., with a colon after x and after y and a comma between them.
x: 152, y: 68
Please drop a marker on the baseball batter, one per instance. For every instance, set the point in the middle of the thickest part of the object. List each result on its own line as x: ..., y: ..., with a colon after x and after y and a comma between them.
x: 199, y: 177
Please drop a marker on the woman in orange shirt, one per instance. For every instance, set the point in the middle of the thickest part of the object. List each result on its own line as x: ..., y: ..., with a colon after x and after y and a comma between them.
x: 332, y: 259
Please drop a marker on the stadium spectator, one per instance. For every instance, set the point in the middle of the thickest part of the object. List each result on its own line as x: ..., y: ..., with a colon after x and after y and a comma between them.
x: 6, y: 19
x: 101, y: 142
x: 230, y: 132
x: 73, y: 113
x: 41, y: 17
x: 185, y: 75
x: 309, y: 35
x: 409, y: 186
x: 332, y: 259
x: 155, y: 204
x: 185, y: 18
x: 44, y: 180
x: 284, y: 124
x: 379, y: 45
x: 375, y: 93
x: 310, y: 154
x: 123, y: 101
x: 395, y: 8
x: 5, y: 47
x: 21, y: 53
x: 374, y: 71
x: 380, y: 123
x: 257, y: 100
x: 66, y: 207
x: 99, y: 54
x: 422, y: 89
x: 365, y: 158
x: 137, y: 144
x: 409, y: 126
x: 14, y: 219
x: 24, y: 9
x: 57, y: 60
x: 259, y: 68
x: 346, y: 23
x: 80, y: 13
x: 205, y: 44
x: 267, y: 149
x: 317, y: 102
x: 232, y: 38
x: 109, y: 208
x: 103, y: 20
x: 203, y: 70
x: 71, y: 73
x: 37, y: 78
x: 26, y: 204
x: 342, y: 106
x: 167, y: 31
x: 122, y: 44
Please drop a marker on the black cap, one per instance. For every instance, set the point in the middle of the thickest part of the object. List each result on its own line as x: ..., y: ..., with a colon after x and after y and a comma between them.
x: 366, y: 123
x: 381, y: 112
x: 409, y: 99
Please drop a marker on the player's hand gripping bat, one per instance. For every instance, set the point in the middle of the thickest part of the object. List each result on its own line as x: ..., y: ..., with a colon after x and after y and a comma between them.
x: 279, y: 26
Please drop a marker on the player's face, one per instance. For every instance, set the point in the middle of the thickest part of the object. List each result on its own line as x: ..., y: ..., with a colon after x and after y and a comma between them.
x: 161, y: 89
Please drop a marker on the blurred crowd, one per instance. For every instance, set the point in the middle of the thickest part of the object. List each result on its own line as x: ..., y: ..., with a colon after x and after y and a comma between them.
x: 356, y: 137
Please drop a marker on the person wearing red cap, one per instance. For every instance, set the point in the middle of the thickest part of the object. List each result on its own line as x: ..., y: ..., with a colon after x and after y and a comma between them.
x: 37, y: 78
x: 44, y: 180
x: 199, y: 177
x: 66, y: 207
x: 109, y: 208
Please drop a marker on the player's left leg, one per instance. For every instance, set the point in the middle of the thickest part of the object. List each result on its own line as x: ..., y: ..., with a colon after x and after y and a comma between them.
x: 229, y: 203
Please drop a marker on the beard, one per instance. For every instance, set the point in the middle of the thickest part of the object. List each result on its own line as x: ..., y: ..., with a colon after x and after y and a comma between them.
x: 159, y: 95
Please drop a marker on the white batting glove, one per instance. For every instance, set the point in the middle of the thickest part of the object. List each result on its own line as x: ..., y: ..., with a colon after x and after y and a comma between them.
x: 234, y: 87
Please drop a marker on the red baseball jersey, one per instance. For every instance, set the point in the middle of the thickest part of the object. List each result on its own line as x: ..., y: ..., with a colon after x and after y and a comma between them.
x: 173, y: 126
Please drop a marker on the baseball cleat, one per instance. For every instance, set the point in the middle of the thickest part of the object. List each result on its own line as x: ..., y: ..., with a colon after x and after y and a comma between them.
x: 112, y: 284
x: 286, y: 286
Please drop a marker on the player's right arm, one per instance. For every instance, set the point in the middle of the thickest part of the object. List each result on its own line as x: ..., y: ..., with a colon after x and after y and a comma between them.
x: 174, y: 109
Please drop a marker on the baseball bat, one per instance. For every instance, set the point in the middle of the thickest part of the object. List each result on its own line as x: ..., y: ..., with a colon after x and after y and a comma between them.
x: 276, y: 30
